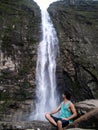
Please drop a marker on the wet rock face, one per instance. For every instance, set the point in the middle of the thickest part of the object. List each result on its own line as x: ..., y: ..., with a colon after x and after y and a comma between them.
x: 16, y: 111
x: 19, y: 37
x: 78, y: 35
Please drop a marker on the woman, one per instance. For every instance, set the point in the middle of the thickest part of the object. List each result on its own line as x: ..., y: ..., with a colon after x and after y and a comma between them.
x: 67, y: 112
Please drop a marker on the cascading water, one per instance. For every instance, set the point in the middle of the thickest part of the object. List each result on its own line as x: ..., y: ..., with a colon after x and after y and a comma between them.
x: 46, y: 65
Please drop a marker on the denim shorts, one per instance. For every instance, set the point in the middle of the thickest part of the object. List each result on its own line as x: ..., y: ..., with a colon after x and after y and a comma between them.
x: 64, y: 122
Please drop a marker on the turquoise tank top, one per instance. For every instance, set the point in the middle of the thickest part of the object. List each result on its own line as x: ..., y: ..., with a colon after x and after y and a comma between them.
x: 65, y: 111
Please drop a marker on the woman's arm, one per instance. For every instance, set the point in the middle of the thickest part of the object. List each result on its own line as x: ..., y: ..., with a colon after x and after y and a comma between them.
x: 74, y: 112
x: 73, y: 109
x: 56, y: 110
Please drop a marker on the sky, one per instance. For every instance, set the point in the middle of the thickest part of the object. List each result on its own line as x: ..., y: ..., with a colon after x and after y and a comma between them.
x: 44, y: 4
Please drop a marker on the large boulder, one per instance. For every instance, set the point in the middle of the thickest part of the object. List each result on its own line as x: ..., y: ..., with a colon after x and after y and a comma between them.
x: 86, y: 106
x: 88, y: 120
x: 87, y: 114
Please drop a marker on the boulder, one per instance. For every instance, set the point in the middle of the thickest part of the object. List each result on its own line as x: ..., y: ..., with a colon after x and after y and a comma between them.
x: 88, y: 120
x: 86, y: 106
x: 87, y: 115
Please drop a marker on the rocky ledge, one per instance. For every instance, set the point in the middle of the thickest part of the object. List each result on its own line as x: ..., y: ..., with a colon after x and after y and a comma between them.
x: 35, y: 125
x: 23, y: 125
x: 87, y: 118
x: 86, y: 106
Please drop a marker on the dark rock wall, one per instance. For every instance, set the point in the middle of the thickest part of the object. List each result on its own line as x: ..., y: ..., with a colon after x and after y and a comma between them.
x: 77, y: 28
x: 19, y: 36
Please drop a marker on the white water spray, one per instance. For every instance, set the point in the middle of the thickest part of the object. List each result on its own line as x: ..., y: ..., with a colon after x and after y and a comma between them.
x: 46, y: 65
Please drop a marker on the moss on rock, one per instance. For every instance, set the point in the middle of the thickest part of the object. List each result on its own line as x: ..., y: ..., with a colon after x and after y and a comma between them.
x: 77, y: 29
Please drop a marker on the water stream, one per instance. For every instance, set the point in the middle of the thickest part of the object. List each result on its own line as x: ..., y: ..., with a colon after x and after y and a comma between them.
x: 48, y: 51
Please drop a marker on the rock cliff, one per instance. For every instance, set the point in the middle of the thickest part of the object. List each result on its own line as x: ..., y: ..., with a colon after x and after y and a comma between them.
x: 19, y: 36
x: 77, y: 28
x: 20, y: 32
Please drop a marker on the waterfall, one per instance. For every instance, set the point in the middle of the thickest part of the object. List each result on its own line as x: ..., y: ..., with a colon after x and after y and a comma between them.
x: 48, y: 50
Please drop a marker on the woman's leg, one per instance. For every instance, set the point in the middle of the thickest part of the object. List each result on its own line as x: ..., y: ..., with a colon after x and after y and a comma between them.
x: 48, y: 116
x: 59, y: 125
x: 64, y: 123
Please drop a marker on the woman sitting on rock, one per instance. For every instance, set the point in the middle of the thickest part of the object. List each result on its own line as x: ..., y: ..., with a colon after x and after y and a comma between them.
x: 67, y: 112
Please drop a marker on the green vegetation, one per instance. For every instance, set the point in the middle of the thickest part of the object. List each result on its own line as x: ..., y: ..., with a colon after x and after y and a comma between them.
x: 19, y: 33
x: 77, y: 28
x: 4, y: 106
x: 4, y: 95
